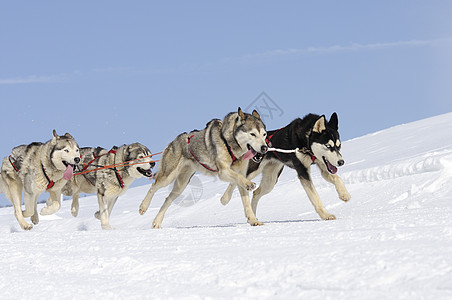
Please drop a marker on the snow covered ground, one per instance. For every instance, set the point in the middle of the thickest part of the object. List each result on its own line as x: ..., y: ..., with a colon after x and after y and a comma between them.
x: 393, y: 240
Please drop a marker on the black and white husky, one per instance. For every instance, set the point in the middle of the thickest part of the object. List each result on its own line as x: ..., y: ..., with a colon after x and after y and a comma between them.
x: 314, y: 141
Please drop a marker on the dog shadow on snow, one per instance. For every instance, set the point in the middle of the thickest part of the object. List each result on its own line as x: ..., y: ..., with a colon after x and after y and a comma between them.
x: 236, y: 225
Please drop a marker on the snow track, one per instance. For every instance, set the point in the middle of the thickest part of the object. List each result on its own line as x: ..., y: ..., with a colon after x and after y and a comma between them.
x: 392, y: 240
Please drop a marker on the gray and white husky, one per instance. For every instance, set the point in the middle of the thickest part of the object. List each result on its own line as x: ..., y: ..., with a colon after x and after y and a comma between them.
x: 221, y: 149
x: 109, y: 183
x: 318, y: 142
x: 34, y: 169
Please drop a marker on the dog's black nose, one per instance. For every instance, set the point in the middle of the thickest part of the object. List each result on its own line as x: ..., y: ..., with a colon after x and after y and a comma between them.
x: 77, y: 160
x: 264, y: 149
x: 341, y: 162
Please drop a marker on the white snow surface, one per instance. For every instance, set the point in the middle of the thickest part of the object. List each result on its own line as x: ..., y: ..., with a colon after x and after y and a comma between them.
x: 392, y: 240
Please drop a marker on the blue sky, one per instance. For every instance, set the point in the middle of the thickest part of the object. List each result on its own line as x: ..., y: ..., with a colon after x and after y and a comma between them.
x: 115, y: 72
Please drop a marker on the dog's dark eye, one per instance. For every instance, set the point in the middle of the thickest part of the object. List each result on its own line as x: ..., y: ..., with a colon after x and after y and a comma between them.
x: 253, y: 135
x: 265, y: 134
x: 66, y: 150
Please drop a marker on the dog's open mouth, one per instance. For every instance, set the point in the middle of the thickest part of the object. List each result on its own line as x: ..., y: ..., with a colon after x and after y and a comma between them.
x: 251, y: 153
x: 69, y: 170
x: 258, y: 157
x: 147, y: 173
x: 331, y: 168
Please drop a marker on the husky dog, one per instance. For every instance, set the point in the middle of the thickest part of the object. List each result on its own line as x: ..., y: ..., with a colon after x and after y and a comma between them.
x: 318, y: 143
x: 110, y: 183
x: 221, y: 149
x: 36, y: 168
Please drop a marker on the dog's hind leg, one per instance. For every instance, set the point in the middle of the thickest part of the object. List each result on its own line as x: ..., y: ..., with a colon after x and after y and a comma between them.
x: 179, y: 186
x: 315, y: 199
x: 270, y: 175
x: 14, y: 192
x: 228, y: 194
x: 161, y: 180
x: 111, y: 203
x: 342, y: 192
x: 250, y: 216
x: 35, y: 217
x: 75, y: 204
x: 53, y: 205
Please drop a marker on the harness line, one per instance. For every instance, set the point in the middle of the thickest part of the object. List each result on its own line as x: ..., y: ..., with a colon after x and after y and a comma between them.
x: 303, y: 150
x: 123, y: 164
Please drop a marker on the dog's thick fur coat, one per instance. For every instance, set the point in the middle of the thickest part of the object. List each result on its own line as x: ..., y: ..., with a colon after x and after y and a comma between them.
x: 105, y: 182
x: 36, y: 168
x: 318, y: 142
x: 211, y: 151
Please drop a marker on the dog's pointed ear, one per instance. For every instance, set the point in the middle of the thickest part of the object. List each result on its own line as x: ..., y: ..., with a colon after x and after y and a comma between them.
x: 241, y: 114
x: 319, y: 125
x: 68, y: 135
x: 55, y: 137
x: 333, y: 123
x: 132, y: 147
x: 256, y: 115
x: 55, y: 134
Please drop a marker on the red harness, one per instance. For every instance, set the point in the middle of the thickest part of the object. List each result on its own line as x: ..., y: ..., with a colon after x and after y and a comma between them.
x: 205, y: 166
x: 51, y: 182
x: 118, y: 177
x: 13, y: 161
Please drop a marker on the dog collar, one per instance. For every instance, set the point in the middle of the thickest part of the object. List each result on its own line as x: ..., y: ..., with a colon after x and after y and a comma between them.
x: 13, y: 163
x: 51, y: 182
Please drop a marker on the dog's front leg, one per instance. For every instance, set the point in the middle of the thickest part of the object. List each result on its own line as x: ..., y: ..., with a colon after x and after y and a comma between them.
x: 75, y: 204
x: 228, y: 194
x: 315, y: 199
x: 251, y: 217
x: 53, y: 203
x: 227, y: 174
x: 103, y: 214
x: 342, y: 192
x: 29, y: 205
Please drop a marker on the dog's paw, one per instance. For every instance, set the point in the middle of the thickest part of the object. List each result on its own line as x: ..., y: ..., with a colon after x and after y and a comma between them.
x: 74, y: 211
x: 45, y: 211
x: 225, y: 199
x: 142, y: 209
x: 97, y: 215
x: 344, y: 195
x: 26, y: 226
x: 107, y: 227
x: 329, y: 217
x: 250, y: 186
x: 156, y: 225
x: 255, y: 222
x: 35, y: 219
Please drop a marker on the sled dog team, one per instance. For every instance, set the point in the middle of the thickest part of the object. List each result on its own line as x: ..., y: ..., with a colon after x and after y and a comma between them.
x: 236, y: 149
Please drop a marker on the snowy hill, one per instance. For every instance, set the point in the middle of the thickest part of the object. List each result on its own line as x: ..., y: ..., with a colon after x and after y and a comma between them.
x: 393, y: 240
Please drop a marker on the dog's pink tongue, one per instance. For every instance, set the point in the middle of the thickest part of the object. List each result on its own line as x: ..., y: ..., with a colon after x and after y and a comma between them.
x: 68, y: 172
x: 250, y: 154
x: 332, y: 168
